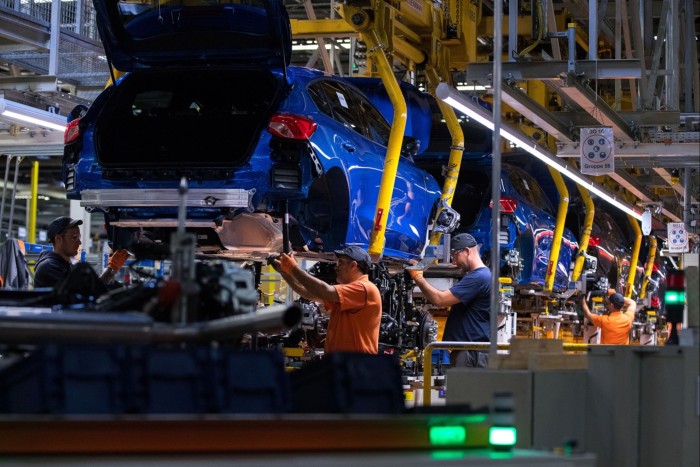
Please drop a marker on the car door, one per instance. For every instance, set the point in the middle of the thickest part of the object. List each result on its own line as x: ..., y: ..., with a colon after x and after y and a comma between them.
x: 360, y: 147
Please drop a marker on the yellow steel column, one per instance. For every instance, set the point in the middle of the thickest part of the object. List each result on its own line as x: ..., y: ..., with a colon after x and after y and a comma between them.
x: 635, y: 256
x: 361, y: 21
x: 456, y: 149
x: 649, y: 266
x: 33, y: 202
x: 586, y: 232
x: 393, y: 151
x: 558, y: 229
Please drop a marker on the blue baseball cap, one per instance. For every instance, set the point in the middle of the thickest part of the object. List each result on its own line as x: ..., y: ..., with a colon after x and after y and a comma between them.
x: 356, y: 253
x: 617, y: 299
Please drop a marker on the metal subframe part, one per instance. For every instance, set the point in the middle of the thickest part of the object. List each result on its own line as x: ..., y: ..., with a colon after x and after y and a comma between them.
x: 182, y: 247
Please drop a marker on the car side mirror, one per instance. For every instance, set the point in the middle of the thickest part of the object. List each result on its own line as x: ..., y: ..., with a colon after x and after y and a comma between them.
x: 410, y: 147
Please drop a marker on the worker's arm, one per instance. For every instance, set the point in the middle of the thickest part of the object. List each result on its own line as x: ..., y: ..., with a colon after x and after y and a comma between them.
x: 321, y: 291
x: 297, y: 286
x: 586, y: 311
x: 302, y: 282
x: 441, y: 298
x: 629, y: 308
x: 116, y: 261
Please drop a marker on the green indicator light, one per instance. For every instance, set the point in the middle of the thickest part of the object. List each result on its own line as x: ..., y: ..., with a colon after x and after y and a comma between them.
x: 447, y: 455
x: 502, y: 436
x: 674, y: 297
x: 447, y: 435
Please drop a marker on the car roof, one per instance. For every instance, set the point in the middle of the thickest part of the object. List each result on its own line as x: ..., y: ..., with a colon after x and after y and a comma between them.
x: 141, y: 34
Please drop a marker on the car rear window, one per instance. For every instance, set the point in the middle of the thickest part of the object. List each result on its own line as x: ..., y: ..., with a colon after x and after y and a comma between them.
x: 348, y: 107
x: 527, y: 187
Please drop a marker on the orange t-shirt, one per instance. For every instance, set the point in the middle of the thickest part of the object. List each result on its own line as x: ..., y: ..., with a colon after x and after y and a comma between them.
x: 355, y: 319
x: 614, y: 327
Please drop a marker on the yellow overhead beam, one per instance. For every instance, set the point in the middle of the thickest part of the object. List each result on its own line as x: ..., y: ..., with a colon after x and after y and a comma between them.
x: 313, y: 28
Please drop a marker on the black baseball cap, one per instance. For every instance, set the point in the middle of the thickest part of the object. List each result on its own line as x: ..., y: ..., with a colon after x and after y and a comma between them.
x: 617, y: 299
x: 356, y: 253
x: 60, y: 224
x: 463, y: 240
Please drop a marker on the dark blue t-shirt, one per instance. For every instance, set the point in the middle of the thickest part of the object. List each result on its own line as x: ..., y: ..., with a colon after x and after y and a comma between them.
x: 50, y: 269
x: 469, y: 320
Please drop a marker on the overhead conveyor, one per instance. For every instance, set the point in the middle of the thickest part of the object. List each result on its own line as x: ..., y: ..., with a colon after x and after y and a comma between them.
x: 442, y: 39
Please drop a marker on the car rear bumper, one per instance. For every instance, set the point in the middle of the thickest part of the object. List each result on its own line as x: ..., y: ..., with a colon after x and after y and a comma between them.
x: 204, y: 198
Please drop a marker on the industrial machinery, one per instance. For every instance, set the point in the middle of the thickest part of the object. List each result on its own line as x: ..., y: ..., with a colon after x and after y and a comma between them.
x: 199, y: 302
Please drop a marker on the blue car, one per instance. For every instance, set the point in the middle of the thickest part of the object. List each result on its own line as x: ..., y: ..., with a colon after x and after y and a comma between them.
x: 209, y: 95
x: 528, y: 219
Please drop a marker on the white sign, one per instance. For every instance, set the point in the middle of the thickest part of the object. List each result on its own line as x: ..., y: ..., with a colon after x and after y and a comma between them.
x: 597, y: 150
x: 646, y: 222
x: 677, y: 238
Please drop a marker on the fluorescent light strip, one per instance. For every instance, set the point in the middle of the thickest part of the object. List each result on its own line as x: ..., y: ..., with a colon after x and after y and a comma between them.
x: 469, y: 87
x: 455, y: 99
x: 27, y: 114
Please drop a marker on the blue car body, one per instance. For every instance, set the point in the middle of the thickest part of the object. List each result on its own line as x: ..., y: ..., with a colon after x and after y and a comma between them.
x: 209, y: 95
x: 528, y: 220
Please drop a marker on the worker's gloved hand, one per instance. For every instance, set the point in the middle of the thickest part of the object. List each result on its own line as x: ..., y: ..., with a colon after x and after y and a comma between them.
x: 287, y: 263
x: 415, y: 273
x: 116, y: 261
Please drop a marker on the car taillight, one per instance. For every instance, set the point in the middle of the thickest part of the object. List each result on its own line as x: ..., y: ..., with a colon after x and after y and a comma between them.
x: 72, y: 131
x: 290, y: 126
x: 508, y: 205
x: 593, y: 241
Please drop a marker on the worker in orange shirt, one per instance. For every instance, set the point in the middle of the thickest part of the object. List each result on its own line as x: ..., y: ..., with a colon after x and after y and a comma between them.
x: 615, y: 325
x: 355, y: 304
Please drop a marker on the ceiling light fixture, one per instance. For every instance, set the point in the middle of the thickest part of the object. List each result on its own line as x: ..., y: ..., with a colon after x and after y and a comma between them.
x: 459, y: 101
x: 27, y: 114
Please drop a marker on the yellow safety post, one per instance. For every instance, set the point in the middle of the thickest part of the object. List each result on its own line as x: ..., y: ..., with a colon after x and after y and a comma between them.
x: 454, y: 163
x: 586, y: 232
x: 33, y: 202
x: 360, y: 20
x: 558, y: 229
x: 649, y: 266
x: 635, y: 256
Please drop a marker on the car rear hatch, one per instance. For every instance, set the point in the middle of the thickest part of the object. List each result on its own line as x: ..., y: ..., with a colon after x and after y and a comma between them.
x: 205, y: 78
x: 140, y: 34
x: 161, y: 121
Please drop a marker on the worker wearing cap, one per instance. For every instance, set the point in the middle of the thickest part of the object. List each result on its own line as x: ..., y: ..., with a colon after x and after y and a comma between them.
x: 354, y: 304
x: 53, y: 266
x: 470, y: 298
x: 615, y: 325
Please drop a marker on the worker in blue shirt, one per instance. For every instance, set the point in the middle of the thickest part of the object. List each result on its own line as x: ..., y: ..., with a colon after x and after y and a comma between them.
x: 470, y: 298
